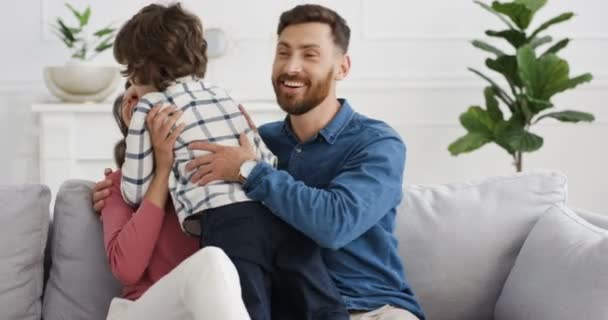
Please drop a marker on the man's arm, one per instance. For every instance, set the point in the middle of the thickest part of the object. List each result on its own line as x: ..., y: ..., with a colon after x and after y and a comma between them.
x: 367, y: 188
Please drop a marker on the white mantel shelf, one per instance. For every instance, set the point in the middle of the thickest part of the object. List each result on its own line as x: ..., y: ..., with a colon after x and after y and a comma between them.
x: 255, y: 106
x: 76, y: 140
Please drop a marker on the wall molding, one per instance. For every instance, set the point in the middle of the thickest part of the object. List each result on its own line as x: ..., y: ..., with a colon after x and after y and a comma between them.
x: 442, y: 83
x: 372, y: 37
x: 407, y: 35
x: 600, y: 83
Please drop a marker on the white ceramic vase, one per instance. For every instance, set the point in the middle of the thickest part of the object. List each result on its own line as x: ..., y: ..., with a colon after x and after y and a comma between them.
x: 82, y: 81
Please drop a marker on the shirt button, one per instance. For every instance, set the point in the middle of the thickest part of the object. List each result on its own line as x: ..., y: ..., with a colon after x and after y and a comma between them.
x: 299, y: 150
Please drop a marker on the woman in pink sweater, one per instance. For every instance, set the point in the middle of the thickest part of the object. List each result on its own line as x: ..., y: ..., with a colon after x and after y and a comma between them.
x: 163, y: 277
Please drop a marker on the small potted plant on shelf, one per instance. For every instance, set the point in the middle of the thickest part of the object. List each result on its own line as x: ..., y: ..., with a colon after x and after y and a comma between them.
x: 80, y: 79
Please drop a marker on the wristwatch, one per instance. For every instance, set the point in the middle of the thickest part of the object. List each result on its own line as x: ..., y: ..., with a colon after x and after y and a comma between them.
x: 245, y: 170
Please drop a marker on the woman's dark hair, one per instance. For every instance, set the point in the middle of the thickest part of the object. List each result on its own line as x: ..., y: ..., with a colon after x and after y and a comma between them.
x: 120, y: 148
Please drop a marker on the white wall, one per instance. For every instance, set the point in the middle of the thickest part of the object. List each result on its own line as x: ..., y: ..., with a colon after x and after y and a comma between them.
x: 410, y: 60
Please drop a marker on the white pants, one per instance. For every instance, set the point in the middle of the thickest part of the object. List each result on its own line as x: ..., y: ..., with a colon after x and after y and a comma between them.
x: 203, y: 287
x: 385, y: 313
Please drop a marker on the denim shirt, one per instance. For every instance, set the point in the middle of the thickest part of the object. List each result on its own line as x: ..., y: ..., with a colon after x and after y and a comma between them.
x: 341, y: 188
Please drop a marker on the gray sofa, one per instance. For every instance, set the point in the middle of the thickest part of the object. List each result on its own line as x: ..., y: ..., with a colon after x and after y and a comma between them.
x: 504, y: 248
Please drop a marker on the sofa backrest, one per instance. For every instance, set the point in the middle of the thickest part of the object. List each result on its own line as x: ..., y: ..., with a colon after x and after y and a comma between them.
x: 24, y: 222
x: 80, y: 284
x: 459, y: 241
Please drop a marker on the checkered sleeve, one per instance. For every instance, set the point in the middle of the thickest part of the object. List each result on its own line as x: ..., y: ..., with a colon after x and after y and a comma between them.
x: 262, y: 152
x: 138, y: 168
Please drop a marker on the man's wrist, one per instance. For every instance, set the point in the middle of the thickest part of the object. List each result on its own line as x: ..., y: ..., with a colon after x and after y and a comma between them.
x: 245, y: 170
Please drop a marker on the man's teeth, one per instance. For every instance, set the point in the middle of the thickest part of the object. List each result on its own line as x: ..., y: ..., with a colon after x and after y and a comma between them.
x: 293, y: 84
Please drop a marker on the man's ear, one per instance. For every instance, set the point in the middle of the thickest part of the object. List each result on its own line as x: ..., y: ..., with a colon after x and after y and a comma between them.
x: 344, y: 67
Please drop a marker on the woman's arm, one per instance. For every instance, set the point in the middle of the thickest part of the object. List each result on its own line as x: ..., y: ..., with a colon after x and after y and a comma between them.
x: 130, y: 237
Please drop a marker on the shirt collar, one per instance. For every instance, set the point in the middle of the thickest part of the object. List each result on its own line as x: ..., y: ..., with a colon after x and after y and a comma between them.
x: 333, y: 129
x: 186, y: 79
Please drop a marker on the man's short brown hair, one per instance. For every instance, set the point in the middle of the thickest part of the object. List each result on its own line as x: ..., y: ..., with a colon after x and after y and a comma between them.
x: 316, y: 13
x: 160, y: 44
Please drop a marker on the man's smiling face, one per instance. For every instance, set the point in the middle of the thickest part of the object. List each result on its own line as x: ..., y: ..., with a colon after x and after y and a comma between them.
x: 305, y: 64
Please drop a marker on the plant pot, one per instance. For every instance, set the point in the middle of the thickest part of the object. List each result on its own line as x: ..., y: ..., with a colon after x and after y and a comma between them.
x: 82, y: 82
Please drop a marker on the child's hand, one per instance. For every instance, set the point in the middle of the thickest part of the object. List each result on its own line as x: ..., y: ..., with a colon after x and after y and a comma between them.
x: 160, y: 122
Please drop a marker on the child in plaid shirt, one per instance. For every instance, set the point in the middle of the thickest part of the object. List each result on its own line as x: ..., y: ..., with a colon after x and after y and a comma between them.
x: 163, y: 50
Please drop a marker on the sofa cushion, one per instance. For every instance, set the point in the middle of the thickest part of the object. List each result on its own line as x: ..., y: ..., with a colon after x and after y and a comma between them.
x: 459, y: 241
x: 24, y: 222
x: 561, y: 272
x: 596, y: 219
x: 80, y: 284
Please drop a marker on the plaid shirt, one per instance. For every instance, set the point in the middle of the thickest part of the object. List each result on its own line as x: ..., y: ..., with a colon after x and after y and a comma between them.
x: 210, y: 115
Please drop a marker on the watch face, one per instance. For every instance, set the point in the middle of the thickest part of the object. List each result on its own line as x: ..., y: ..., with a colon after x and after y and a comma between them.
x: 246, y: 168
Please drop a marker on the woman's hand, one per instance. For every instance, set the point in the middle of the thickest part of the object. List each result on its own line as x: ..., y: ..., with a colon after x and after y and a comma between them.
x: 101, y: 191
x: 160, y: 123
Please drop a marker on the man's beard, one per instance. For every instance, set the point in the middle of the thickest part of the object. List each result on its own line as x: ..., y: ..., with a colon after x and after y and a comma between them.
x: 313, y: 96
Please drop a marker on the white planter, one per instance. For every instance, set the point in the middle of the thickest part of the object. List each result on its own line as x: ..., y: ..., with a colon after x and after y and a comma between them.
x: 82, y: 82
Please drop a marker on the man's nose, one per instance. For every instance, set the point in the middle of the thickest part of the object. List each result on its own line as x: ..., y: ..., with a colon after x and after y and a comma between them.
x: 293, y: 66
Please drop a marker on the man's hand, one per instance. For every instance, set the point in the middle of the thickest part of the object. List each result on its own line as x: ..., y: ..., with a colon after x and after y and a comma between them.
x: 223, y: 163
x: 101, y: 191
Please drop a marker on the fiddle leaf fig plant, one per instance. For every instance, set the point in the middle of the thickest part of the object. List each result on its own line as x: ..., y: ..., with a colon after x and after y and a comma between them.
x: 532, y: 78
x: 83, y: 46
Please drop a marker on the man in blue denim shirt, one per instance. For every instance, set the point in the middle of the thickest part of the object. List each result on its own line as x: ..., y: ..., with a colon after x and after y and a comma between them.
x: 340, y: 174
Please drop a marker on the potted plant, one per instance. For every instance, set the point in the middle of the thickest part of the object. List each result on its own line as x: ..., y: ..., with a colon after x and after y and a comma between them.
x: 532, y: 77
x: 81, y: 80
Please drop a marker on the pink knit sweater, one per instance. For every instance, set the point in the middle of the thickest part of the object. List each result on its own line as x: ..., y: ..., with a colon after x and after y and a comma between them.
x: 142, y: 244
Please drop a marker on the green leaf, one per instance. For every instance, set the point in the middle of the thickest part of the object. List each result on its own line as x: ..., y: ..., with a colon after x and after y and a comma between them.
x: 547, y: 75
x: 516, y: 38
x: 533, y: 5
x: 487, y: 47
x: 507, y: 66
x: 537, y: 105
x: 103, y: 32
x: 492, y: 105
x: 67, y: 32
x: 477, y: 120
x: 85, y: 17
x: 569, y: 116
x: 519, y: 13
x: 559, y: 19
x: 75, y: 12
x: 468, y: 143
x: 557, y: 47
x: 67, y: 42
x: 522, y: 140
x: 492, y: 11
x: 81, y: 53
x: 499, y: 134
x: 103, y: 46
x: 500, y: 93
x: 525, y: 108
x: 537, y: 42
x: 566, y: 84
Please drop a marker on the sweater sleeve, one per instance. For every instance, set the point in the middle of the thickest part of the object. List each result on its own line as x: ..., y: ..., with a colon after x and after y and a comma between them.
x: 130, y: 235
